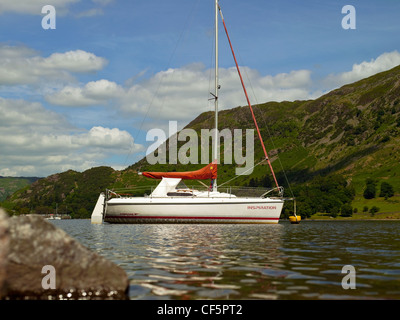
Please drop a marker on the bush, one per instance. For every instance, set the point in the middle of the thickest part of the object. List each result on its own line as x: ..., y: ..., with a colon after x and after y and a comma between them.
x: 386, y: 190
x: 334, y: 213
x: 374, y: 209
x: 346, y: 210
x: 370, y: 190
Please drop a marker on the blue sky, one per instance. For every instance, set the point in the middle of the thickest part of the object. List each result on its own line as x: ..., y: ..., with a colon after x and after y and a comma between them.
x: 86, y: 93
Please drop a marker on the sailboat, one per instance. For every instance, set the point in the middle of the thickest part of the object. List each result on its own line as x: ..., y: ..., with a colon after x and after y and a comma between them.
x: 169, y: 202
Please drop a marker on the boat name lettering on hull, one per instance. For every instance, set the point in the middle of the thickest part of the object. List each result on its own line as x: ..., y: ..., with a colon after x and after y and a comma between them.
x: 261, y: 207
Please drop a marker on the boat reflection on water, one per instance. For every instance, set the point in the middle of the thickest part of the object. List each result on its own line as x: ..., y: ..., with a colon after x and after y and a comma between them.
x: 216, y: 261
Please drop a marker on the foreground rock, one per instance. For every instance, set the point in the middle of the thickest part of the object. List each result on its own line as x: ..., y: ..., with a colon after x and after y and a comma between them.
x: 45, y: 263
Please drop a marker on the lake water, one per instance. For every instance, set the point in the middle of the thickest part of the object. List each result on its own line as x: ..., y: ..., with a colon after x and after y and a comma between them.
x: 280, y: 261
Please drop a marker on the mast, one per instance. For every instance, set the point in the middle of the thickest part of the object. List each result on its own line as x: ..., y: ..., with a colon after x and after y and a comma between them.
x: 216, y: 91
x: 248, y: 101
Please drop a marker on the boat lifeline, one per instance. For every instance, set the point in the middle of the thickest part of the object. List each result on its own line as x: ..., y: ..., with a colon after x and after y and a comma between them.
x: 169, y: 202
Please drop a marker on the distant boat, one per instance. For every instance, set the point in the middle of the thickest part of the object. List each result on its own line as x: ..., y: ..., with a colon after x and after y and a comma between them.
x: 170, y: 203
x: 53, y: 217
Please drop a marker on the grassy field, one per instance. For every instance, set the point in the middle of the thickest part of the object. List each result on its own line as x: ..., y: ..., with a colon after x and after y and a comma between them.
x: 391, y: 205
x: 388, y: 209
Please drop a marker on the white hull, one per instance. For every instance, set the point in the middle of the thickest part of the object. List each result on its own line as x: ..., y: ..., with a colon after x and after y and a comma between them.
x: 192, y: 210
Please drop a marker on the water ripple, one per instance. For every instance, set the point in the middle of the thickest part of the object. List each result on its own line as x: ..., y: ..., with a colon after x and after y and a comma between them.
x: 250, y: 261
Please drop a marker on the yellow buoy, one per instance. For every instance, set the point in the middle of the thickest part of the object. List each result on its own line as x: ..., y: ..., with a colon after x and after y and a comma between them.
x: 295, y: 219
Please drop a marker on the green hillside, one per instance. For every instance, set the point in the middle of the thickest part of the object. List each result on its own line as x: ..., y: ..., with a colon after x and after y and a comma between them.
x: 8, y: 185
x: 327, y: 149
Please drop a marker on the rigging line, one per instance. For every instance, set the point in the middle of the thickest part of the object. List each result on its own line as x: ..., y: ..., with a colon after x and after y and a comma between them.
x: 237, y: 176
x: 185, y: 28
x: 277, y: 155
x: 201, y: 182
x: 266, y: 126
x: 248, y: 101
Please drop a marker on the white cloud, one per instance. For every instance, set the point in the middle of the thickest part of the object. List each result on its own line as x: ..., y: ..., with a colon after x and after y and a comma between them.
x: 103, y: 2
x: 22, y: 116
x: 34, y: 6
x: 73, y: 61
x: 385, y: 61
x: 105, y: 138
x: 295, y: 79
x: 93, y: 93
x: 182, y: 94
x: 70, y: 96
x: 36, y: 141
x: 90, y: 13
x: 171, y: 93
x: 22, y: 65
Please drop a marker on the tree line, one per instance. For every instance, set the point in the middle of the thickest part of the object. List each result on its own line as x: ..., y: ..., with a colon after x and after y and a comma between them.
x: 328, y: 194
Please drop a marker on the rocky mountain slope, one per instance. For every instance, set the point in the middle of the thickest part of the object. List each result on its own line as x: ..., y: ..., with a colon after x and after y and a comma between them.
x: 8, y: 185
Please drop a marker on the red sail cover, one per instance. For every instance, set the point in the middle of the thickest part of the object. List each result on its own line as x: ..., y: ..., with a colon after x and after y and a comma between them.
x: 208, y: 172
